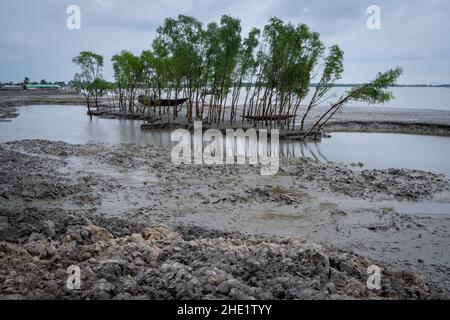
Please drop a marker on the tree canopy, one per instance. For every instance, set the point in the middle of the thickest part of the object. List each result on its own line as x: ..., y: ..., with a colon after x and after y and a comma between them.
x: 210, y: 65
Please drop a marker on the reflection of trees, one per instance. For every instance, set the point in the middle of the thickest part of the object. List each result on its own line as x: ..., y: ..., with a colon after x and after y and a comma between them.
x: 156, y: 137
x: 297, y: 149
x: 319, y: 152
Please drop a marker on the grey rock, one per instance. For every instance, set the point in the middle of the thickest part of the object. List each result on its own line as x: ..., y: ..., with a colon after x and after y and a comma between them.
x: 331, y: 288
x: 48, y: 228
x: 337, y: 277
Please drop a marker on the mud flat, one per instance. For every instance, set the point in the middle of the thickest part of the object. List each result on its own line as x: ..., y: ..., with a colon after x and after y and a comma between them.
x: 389, y: 127
x: 7, y: 112
x: 391, y: 120
x: 140, y: 227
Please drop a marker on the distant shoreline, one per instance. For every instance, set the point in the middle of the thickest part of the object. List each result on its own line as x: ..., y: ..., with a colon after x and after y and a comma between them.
x: 312, y: 85
x: 350, y: 119
x: 351, y: 85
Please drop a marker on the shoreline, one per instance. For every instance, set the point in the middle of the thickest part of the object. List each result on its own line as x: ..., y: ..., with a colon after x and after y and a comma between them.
x: 389, y: 127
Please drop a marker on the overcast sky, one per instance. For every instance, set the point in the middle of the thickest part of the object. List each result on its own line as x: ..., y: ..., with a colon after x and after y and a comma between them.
x: 35, y: 42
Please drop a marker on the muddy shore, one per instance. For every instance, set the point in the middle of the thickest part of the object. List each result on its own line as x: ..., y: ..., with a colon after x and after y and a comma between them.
x: 140, y: 227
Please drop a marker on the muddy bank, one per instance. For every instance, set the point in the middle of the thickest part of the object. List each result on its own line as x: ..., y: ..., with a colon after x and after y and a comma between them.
x: 389, y: 127
x: 160, y: 263
x: 155, y: 162
x: 229, y: 219
x: 391, y: 120
x: 349, y: 119
x: 7, y: 112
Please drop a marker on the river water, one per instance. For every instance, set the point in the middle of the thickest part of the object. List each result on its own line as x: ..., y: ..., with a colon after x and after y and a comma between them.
x: 436, y: 98
x: 375, y: 150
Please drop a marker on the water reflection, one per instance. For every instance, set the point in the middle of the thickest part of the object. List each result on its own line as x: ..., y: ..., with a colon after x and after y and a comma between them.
x: 375, y: 150
x: 295, y: 149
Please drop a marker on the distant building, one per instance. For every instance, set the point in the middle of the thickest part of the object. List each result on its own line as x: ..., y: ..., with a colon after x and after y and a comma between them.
x: 11, y: 87
x: 43, y: 87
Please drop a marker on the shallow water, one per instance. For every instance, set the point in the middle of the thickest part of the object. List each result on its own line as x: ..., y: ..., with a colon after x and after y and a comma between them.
x: 387, y: 150
x: 436, y: 98
x: 71, y: 124
x: 376, y: 150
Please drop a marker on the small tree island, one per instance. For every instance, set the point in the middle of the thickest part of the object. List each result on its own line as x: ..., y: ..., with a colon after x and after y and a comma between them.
x: 197, y: 73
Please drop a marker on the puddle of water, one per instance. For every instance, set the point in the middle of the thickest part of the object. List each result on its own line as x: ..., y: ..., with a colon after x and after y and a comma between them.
x: 387, y: 150
x: 439, y: 205
x: 276, y: 215
x: 313, y: 204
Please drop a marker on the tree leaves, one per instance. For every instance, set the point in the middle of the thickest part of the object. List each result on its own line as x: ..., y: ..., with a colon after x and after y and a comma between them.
x: 206, y: 65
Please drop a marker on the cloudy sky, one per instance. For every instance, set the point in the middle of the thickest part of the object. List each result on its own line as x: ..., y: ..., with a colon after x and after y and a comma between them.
x: 35, y: 42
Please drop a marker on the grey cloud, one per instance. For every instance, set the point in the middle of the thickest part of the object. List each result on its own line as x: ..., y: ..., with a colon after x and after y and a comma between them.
x: 35, y: 42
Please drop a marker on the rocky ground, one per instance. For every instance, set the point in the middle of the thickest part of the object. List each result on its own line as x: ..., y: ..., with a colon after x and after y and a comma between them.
x: 160, y: 263
x: 140, y: 227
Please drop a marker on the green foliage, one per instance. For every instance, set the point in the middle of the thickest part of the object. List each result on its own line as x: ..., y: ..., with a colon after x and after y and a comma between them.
x: 375, y: 91
x: 209, y: 64
x: 129, y: 74
x: 332, y: 71
x: 372, y: 92
x: 91, y: 65
x: 285, y: 60
x: 101, y: 86
x: 333, y: 66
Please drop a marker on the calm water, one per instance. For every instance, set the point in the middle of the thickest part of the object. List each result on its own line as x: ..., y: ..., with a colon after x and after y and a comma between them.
x: 416, y: 98
x: 375, y: 150
x: 404, y: 97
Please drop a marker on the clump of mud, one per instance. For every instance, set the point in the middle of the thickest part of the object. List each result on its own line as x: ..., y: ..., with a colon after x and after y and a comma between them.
x: 7, y: 112
x: 30, y: 177
x: 119, y: 262
x: 388, y: 184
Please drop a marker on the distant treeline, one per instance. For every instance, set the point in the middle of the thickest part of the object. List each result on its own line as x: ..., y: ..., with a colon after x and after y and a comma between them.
x: 27, y: 80
x: 70, y: 84
x: 344, y: 85
x: 352, y: 85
